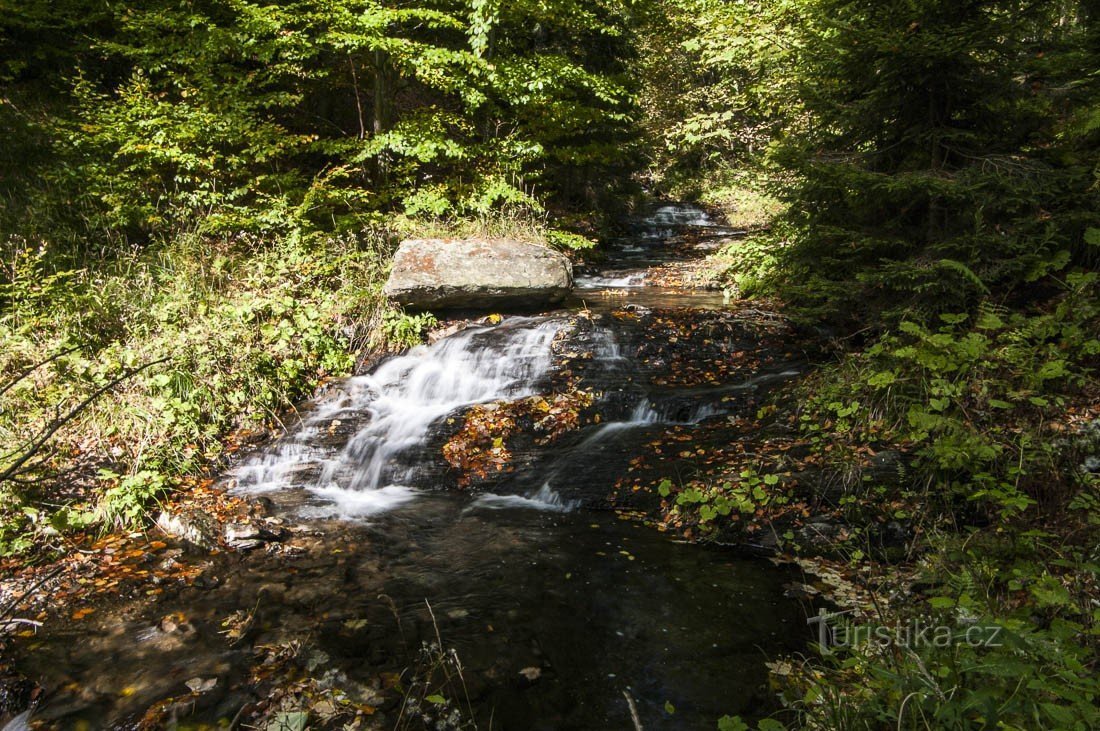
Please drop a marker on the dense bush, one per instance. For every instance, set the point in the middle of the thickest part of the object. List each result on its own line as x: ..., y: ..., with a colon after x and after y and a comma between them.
x: 233, y: 340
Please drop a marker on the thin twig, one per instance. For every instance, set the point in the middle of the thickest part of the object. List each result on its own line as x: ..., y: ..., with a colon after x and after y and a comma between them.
x: 35, y: 367
x: 28, y: 592
x: 237, y: 718
x: 52, y: 428
x: 633, y: 711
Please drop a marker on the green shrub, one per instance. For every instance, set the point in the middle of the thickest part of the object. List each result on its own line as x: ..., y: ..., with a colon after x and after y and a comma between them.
x: 569, y: 241
x: 748, y: 266
x: 1029, y: 678
x: 404, y: 330
x: 969, y: 398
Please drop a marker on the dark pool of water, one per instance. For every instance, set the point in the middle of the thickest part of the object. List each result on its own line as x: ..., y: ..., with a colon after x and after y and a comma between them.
x: 597, y: 604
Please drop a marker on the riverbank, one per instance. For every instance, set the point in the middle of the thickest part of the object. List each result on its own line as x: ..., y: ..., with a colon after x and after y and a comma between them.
x: 938, y: 473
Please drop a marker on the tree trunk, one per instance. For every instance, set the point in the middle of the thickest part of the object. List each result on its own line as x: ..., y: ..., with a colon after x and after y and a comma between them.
x: 380, y: 110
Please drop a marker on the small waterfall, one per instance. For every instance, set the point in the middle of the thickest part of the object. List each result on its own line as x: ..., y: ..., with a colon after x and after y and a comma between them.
x: 624, y: 281
x: 606, y: 348
x: 678, y: 216
x: 19, y: 723
x: 546, y: 497
x: 644, y: 413
x: 401, y: 401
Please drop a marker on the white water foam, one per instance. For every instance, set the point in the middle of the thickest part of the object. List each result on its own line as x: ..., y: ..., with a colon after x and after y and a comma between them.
x: 358, y: 503
x: 678, y: 216
x: 402, y: 399
x: 626, y: 281
x: 545, y: 498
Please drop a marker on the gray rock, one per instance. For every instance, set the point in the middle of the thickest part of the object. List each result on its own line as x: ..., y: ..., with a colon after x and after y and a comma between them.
x: 246, y: 536
x: 191, y: 526
x: 818, y: 534
x: 887, y: 467
x: 242, y: 536
x: 477, y: 274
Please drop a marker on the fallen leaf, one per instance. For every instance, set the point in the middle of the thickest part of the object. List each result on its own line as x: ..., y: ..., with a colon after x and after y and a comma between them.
x: 201, y: 685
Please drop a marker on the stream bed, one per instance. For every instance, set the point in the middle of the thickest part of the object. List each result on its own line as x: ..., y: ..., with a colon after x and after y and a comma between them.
x: 523, y: 602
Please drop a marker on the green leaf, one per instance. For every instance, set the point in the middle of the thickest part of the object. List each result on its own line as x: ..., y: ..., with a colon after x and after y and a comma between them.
x: 1050, y: 592
x: 882, y: 379
x: 1051, y: 370
x: 1092, y: 236
x: 732, y: 723
x: 436, y: 700
x: 990, y: 321
x: 966, y: 273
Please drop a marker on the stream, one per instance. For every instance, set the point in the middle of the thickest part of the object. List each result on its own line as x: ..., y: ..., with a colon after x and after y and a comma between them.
x: 523, y: 602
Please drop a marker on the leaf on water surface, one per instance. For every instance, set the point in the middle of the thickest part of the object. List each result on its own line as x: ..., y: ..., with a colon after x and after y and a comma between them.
x: 317, y: 658
x: 201, y: 685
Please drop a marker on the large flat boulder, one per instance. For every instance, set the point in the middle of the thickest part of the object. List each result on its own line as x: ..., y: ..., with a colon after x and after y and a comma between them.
x: 435, y: 274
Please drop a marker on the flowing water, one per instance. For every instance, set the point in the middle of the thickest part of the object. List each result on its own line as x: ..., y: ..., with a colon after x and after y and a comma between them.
x: 562, y: 614
x: 394, y: 409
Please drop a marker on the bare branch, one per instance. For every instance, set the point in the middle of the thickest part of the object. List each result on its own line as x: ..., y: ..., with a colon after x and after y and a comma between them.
x: 36, y: 366
x: 15, y: 468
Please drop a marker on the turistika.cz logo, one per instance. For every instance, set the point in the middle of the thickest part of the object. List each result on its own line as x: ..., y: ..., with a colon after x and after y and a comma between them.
x: 835, y: 631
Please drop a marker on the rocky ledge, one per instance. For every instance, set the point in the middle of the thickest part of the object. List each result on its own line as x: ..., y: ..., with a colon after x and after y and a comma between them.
x: 471, y: 274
